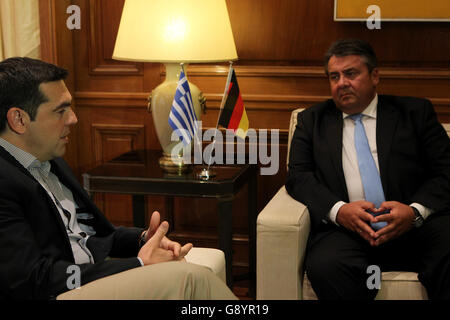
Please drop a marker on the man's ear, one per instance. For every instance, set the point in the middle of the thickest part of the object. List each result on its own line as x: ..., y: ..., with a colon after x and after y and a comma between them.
x: 375, y: 75
x: 18, y: 120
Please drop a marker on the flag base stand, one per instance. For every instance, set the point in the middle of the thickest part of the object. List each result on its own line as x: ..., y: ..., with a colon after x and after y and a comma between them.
x: 174, y: 165
x: 206, y: 174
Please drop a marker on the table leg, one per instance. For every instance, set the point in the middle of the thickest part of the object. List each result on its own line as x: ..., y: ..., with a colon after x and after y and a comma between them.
x: 226, y: 234
x: 169, y: 213
x: 252, y: 214
x: 139, y: 211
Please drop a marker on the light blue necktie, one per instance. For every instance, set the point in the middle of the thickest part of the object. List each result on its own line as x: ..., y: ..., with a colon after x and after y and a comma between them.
x: 373, y: 190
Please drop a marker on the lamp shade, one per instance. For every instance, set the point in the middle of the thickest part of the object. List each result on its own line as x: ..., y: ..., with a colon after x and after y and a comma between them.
x: 175, y: 31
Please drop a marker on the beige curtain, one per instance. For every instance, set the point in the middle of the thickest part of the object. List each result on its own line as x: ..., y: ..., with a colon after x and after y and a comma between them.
x: 19, y: 29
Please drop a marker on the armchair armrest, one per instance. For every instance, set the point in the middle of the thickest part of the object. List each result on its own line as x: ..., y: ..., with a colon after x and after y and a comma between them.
x: 282, y: 232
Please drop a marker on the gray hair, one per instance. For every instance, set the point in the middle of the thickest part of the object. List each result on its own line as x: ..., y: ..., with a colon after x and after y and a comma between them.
x: 347, y: 47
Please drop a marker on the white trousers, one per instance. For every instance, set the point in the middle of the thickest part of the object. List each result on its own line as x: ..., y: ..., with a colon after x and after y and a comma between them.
x: 163, y: 281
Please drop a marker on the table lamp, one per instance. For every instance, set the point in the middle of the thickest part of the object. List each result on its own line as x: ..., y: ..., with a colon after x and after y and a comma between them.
x: 174, y: 32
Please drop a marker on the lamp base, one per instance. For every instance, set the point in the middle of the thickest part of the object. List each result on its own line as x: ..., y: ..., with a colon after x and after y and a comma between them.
x: 174, y: 165
x: 160, y: 104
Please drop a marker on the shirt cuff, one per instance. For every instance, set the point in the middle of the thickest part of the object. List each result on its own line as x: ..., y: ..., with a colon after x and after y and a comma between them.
x: 334, y: 210
x: 424, y: 211
x: 140, y: 260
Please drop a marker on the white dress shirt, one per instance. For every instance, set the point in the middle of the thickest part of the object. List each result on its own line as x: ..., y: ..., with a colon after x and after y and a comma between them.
x: 350, y: 161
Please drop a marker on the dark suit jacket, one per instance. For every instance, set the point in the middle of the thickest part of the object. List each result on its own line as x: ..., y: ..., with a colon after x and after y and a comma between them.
x: 35, y: 251
x: 413, y: 154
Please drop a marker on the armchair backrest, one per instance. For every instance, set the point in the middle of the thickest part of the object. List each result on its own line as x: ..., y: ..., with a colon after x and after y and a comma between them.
x: 292, y: 124
x: 447, y: 128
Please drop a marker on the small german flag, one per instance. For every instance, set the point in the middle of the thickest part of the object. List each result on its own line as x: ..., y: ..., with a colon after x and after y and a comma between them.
x: 233, y: 115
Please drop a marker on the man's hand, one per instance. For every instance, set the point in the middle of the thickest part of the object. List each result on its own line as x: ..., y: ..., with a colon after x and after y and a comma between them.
x: 400, y: 220
x: 158, y: 248
x: 353, y: 216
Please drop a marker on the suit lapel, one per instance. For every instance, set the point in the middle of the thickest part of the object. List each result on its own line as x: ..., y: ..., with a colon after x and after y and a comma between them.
x: 64, y: 173
x: 65, y: 176
x: 68, y: 180
x: 62, y: 228
x: 333, y: 124
x: 387, y: 118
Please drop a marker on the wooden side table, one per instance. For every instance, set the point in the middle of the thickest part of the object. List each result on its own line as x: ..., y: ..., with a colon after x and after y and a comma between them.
x: 138, y: 173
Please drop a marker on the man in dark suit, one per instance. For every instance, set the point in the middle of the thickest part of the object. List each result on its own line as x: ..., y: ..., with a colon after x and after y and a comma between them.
x: 410, y: 153
x: 49, y: 228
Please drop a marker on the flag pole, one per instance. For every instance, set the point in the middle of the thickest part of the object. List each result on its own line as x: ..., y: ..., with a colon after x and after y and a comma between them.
x: 195, y: 134
x: 205, y: 174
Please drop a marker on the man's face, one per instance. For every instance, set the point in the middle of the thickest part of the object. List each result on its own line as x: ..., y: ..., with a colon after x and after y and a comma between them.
x: 47, y: 135
x: 352, y: 86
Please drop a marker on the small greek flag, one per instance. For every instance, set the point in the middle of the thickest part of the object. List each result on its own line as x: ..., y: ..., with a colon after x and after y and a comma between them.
x: 182, y: 117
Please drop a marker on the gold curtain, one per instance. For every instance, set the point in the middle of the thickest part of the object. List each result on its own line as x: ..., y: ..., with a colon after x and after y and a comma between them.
x: 19, y: 29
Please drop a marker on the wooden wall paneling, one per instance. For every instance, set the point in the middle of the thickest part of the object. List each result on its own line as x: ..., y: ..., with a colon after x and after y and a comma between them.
x: 111, y: 140
x: 112, y: 130
x: 129, y: 123
x: 291, y: 31
x: 116, y: 207
x: 93, y: 46
x: 48, y: 30
x: 104, y: 18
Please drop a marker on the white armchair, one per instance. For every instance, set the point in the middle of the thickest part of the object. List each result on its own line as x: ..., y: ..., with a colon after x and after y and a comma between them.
x: 282, y: 232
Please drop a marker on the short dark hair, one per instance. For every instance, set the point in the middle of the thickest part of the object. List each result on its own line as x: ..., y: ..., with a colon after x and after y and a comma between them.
x: 20, y: 79
x: 347, y: 47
